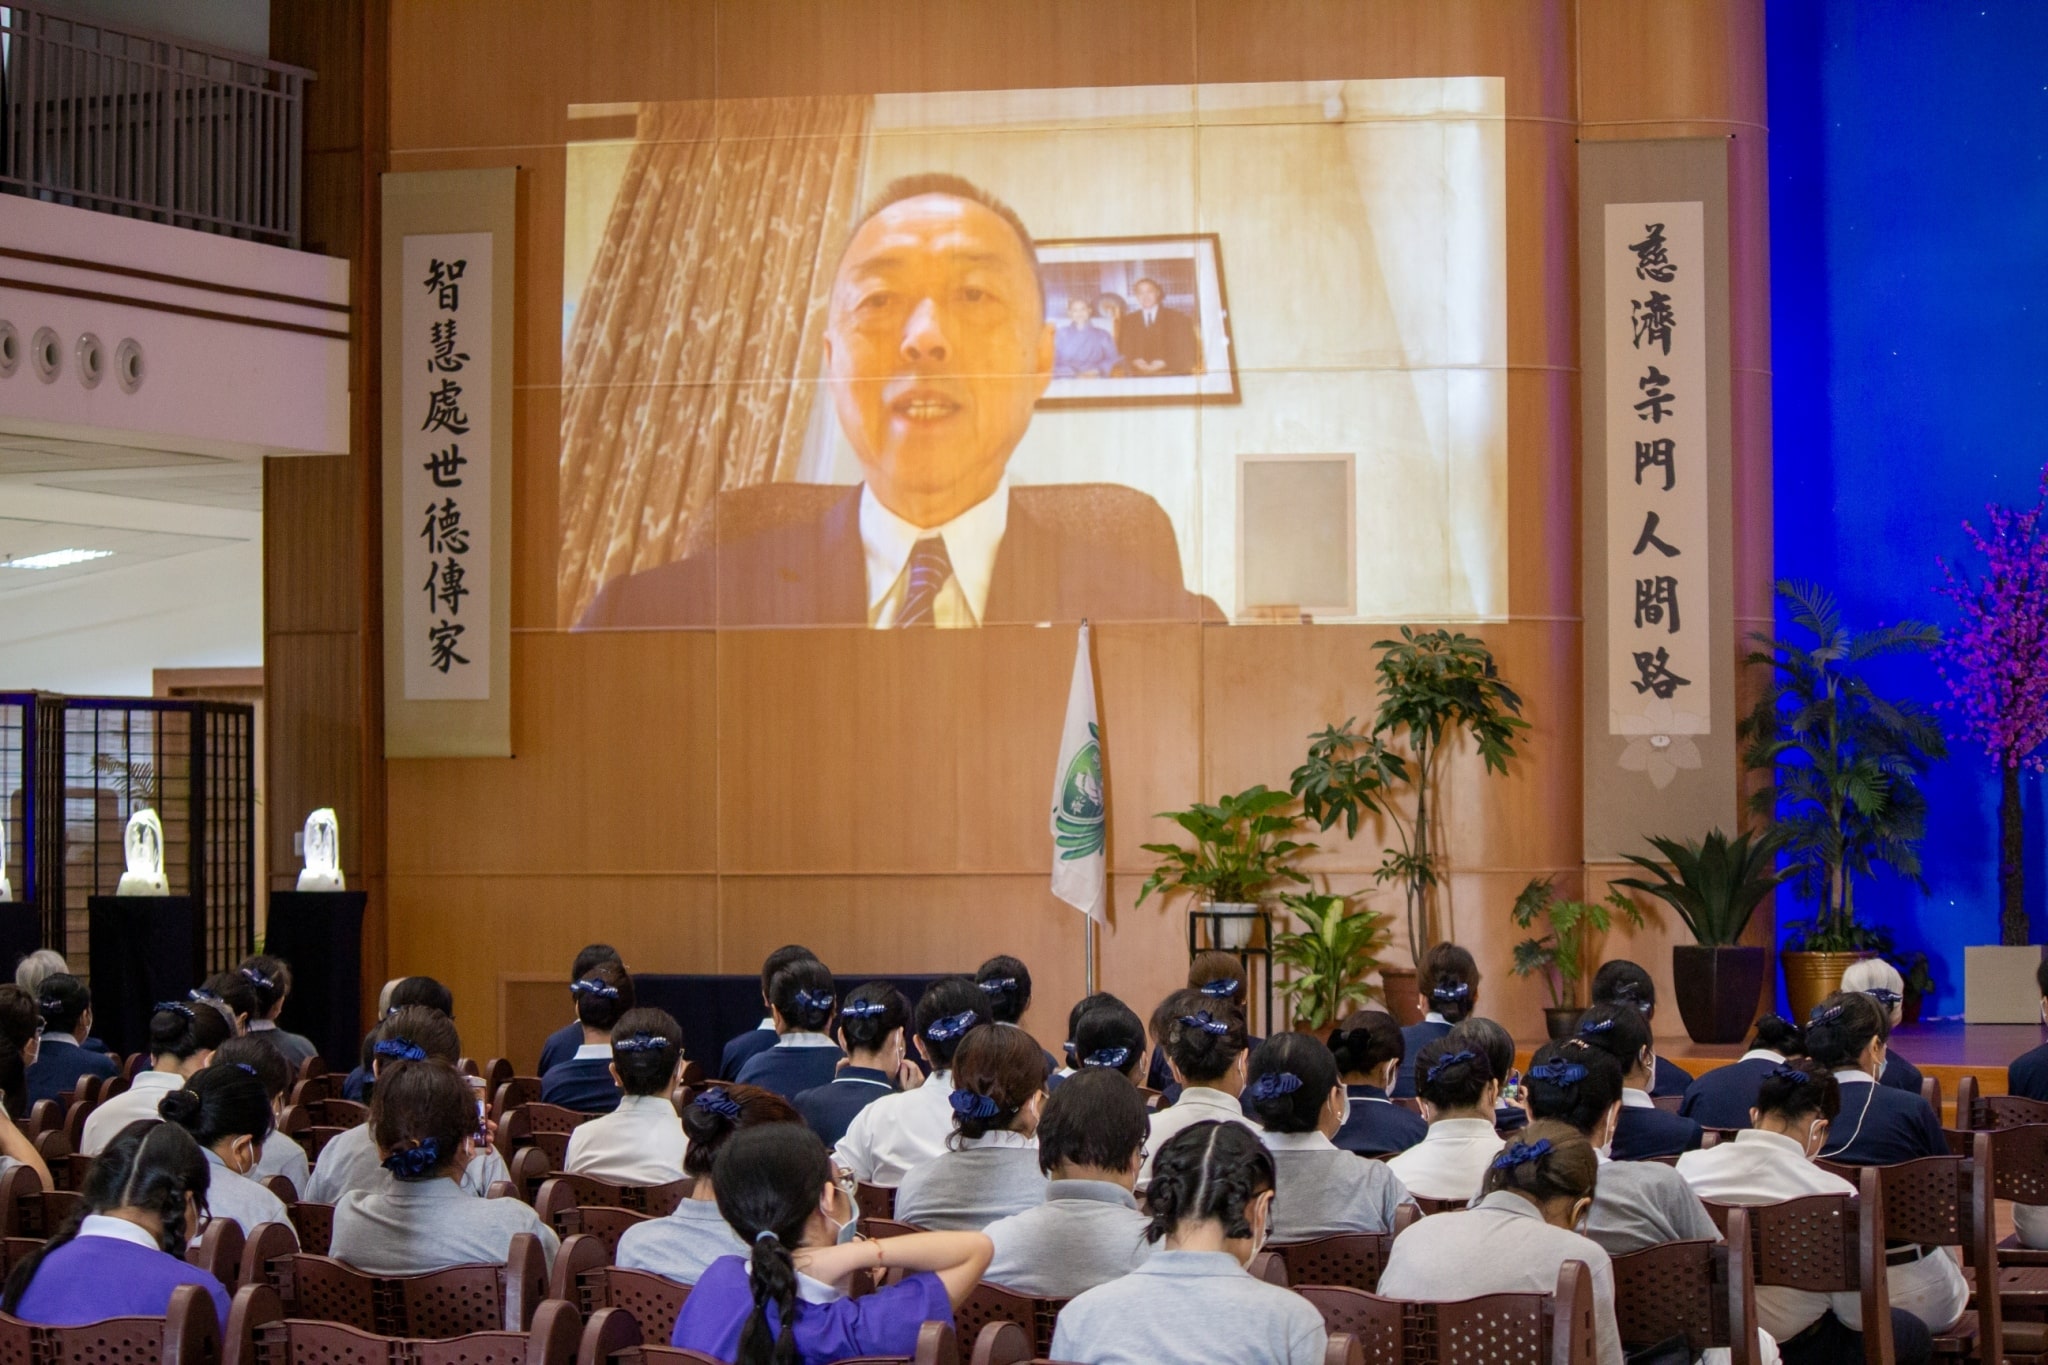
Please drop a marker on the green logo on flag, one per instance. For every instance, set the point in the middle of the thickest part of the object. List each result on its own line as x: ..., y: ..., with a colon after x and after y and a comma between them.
x: 1078, y: 823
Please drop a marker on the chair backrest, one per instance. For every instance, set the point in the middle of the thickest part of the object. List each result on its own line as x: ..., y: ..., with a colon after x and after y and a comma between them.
x: 45, y: 1116
x: 187, y: 1334
x: 315, y: 1225
x: 219, y: 1251
x: 311, y: 1068
x: 989, y: 1303
x: 1376, y: 1324
x: 588, y: 1192
x: 28, y: 1210
x: 1668, y: 1103
x: 1994, y: 1111
x: 607, y: 1225
x: 74, y: 1121
x: 1351, y: 1259
x: 1930, y: 1091
x: 1820, y: 1243
x: 338, y: 1113
x: 1942, y: 1201
x: 886, y: 1227
x: 2019, y: 1163
x: 260, y: 1334
x: 1268, y: 1266
x: 315, y: 1089
x: 875, y: 1201
x: 444, y: 1303
x: 517, y: 1091
x: 1700, y: 1290
x: 1542, y: 1329
x: 89, y: 1088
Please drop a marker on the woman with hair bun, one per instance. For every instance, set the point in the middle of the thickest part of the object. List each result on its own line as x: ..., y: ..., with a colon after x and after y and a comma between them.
x: 871, y: 1025
x: 1006, y: 981
x: 1723, y: 1097
x: 1517, y: 1236
x: 1217, y: 976
x: 802, y: 1000
x: 1459, y: 1094
x: 1369, y: 1049
x: 1881, y: 981
x: 1448, y: 980
x: 228, y: 1114
x: 640, y: 1142
x: 182, y: 1037
x: 1294, y: 1093
x: 62, y: 1059
x: 783, y: 1302
x: 991, y: 1170
x: 1880, y: 1126
x: 682, y: 1245
x: 898, y: 1132
x: 1193, y: 1301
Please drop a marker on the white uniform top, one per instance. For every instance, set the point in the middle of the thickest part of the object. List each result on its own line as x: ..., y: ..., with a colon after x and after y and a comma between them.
x: 283, y: 1156
x: 350, y: 1161
x: 230, y: 1194
x: 1500, y: 1245
x: 1451, y: 1160
x: 899, y: 1131
x: 639, y: 1143
x: 138, y: 1101
x: 1197, y: 1104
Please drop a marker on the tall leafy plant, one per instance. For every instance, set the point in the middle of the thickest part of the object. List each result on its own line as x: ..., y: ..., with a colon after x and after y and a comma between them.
x: 1715, y: 884
x: 1845, y: 761
x: 1331, y: 961
x: 1992, y: 664
x: 1241, y: 848
x: 1560, y: 953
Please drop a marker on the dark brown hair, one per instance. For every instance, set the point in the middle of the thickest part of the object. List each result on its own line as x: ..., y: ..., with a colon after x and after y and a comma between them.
x: 715, y: 1114
x: 997, y: 1070
x: 1556, y: 1162
x: 419, y: 1114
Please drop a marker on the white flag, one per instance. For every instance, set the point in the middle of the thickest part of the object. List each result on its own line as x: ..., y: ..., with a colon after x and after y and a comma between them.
x: 1080, y: 865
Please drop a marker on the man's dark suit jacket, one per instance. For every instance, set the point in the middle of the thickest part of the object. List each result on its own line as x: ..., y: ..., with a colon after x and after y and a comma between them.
x: 791, y: 555
x: 1170, y: 338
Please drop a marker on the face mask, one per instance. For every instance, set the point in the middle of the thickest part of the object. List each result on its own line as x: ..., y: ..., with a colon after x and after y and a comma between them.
x: 842, y: 1233
x: 1606, y: 1150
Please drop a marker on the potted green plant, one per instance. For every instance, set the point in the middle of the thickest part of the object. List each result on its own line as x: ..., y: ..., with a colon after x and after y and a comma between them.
x: 1845, y: 764
x: 1560, y: 953
x: 1919, y: 985
x: 1241, y: 850
x: 1331, y: 961
x: 1715, y: 885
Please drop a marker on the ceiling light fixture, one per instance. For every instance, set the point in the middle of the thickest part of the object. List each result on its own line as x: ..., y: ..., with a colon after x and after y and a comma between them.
x: 55, y: 559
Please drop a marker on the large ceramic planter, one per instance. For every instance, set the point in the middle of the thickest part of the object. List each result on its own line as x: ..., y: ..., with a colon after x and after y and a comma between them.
x: 1561, y: 1021
x: 1233, y: 934
x: 1717, y: 989
x: 1403, y: 1001
x: 1812, y: 977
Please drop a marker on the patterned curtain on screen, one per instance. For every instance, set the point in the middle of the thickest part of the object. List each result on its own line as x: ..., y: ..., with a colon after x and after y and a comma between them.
x: 702, y: 324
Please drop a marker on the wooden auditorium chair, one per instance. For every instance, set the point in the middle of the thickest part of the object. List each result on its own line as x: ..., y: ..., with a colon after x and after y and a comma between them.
x: 1815, y: 1243
x: 613, y: 1337
x: 1702, y: 1291
x: 259, y: 1333
x: 574, y: 1204
x: 1542, y: 1329
x: 1976, y: 1111
x: 187, y: 1334
x: 444, y: 1303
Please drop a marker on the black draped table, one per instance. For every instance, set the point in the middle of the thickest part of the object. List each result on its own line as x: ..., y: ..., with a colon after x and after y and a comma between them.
x: 714, y: 1009
x: 321, y: 934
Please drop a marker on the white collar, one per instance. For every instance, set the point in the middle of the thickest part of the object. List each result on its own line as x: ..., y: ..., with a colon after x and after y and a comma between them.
x: 1207, y: 1098
x: 1854, y: 1076
x: 1434, y: 1018
x: 61, y: 1039
x: 1762, y: 1054
x: 767, y: 1023
x: 799, y: 1038
x: 120, y: 1229
x: 815, y: 1291
x: 942, y: 1080
x: 658, y: 1106
x: 972, y: 539
x: 1150, y: 314
x: 594, y: 1052
x: 262, y: 1025
x: 157, y: 1080
x: 1761, y: 1137
x: 998, y: 1137
x: 1636, y: 1099
x: 1461, y: 1130
x: 1311, y: 1141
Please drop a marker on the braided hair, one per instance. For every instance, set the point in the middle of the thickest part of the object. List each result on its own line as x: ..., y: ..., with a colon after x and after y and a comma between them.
x: 1366, y: 1042
x: 1006, y: 981
x: 1207, y: 1170
x: 768, y: 1181
x: 1546, y: 1162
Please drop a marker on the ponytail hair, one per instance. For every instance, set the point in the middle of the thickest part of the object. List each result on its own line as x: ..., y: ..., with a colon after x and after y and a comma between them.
x: 717, y: 1113
x: 1207, y: 1170
x: 148, y: 1166
x: 183, y: 1029
x: 220, y: 1102
x: 237, y: 994
x: 768, y: 1180
x: 1450, y: 981
x: 1367, y: 1041
x: 1546, y: 1161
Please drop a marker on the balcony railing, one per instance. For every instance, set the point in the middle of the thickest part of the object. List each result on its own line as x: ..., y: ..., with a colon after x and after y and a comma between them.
x: 149, y: 126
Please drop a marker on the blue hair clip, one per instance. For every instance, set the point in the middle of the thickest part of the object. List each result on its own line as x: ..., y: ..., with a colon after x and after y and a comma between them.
x: 1456, y: 990
x: 415, y: 1162
x: 952, y: 1026
x: 717, y: 1101
x: 1826, y: 1015
x: 1225, y: 988
x: 1790, y: 1074
x: 1520, y: 1153
x: 1274, y: 1084
x: 815, y: 1000
x: 998, y: 985
x: 204, y: 996
x: 1593, y: 1026
x: 1114, y: 1058
x: 400, y: 1049
x: 641, y: 1042
x: 173, y: 1007
x: 245, y: 1068
x: 1446, y: 1062
x: 1884, y: 995
x: 258, y: 979
x: 50, y: 1007
x: 1561, y: 1074
x: 592, y: 986
x: 969, y: 1105
x: 862, y: 1009
x: 1206, y: 1022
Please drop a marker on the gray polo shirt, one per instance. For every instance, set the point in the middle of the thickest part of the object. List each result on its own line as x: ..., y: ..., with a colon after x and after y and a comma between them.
x: 1639, y: 1204
x: 682, y: 1245
x: 1321, y: 1190
x: 1086, y: 1233
x: 1190, y: 1308
x: 987, y: 1178
x: 350, y: 1162
x: 411, y: 1227
x: 233, y: 1195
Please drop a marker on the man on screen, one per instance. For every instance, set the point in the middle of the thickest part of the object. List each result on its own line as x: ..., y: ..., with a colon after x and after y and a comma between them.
x: 936, y: 351
x: 1155, y: 339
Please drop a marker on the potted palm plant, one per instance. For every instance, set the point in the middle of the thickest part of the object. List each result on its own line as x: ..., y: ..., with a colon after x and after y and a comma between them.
x: 1331, y: 961
x: 1241, y: 850
x: 1715, y: 885
x: 1560, y: 954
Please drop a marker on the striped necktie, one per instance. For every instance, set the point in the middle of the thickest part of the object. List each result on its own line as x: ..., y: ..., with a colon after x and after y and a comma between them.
x: 930, y: 570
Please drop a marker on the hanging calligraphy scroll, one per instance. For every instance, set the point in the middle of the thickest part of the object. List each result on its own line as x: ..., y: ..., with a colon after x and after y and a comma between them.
x: 1661, y: 644
x: 447, y: 294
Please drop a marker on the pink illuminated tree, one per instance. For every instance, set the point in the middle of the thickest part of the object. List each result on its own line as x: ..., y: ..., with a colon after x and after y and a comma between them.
x: 1995, y: 662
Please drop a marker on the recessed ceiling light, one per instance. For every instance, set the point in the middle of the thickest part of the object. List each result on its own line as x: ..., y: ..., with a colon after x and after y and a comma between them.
x: 55, y: 559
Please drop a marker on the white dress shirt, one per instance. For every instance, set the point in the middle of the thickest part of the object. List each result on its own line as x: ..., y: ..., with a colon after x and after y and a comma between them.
x: 1451, y: 1160
x: 138, y: 1101
x: 899, y: 1131
x: 639, y: 1143
x: 972, y: 539
x: 1197, y: 1104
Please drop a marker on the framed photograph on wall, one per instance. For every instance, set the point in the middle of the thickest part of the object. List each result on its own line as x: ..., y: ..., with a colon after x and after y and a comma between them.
x: 1137, y: 320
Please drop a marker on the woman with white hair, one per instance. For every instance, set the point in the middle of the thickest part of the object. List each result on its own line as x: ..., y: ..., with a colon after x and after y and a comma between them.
x: 39, y: 966
x: 1881, y: 981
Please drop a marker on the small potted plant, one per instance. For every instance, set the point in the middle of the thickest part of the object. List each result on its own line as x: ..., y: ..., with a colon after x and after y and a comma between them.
x: 1241, y: 851
x: 1919, y: 985
x: 1331, y: 961
x: 1560, y: 955
x: 1715, y: 885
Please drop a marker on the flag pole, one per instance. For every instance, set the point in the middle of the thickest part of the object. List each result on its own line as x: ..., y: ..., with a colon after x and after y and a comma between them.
x: 1088, y: 954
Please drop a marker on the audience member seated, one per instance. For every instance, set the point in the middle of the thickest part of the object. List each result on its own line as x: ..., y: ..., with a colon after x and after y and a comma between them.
x: 741, y: 1049
x: 1459, y: 1093
x: 641, y: 1141
x: 228, y: 1115
x: 1110, y: 1037
x: 2027, y: 1077
x: 1068, y: 1062
x: 21, y: 1026
x: 1088, y: 1231
x: 1219, y: 976
x: 234, y: 993
x: 272, y: 979
x: 1205, y: 1051
x: 584, y: 1082
x: 683, y: 1244
x: 1879, y: 1126
x: 276, y: 1154
x: 1497, y: 1045
x: 1643, y: 1130
x: 1771, y: 1161
x: 1518, y: 1235
x: 801, y: 1000
x: 775, y: 1187
x: 1723, y: 1097
x: 424, y: 1121
x: 1622, y: 982
x: 1448, y: 980
x: 991, y: 1170
x: 561, y: 1045
x: 898, y: 1132
x: 1006, y: 981
x: 122, y: 1253
x: 1293, y: 1091
x: 1193, y: 1302
x: 1881, y: 981
x: 351, y: 1159
x: 182, y: 1037
x: 65, y: 1005
x: 871, y: 1025
x: 38, y: 967
x: 397, y: 995
x: 1639, y: 1203
x: 1368, y: 1049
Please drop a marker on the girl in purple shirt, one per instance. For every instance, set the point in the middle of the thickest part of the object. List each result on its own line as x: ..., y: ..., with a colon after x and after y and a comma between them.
x: 785, y: 1303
